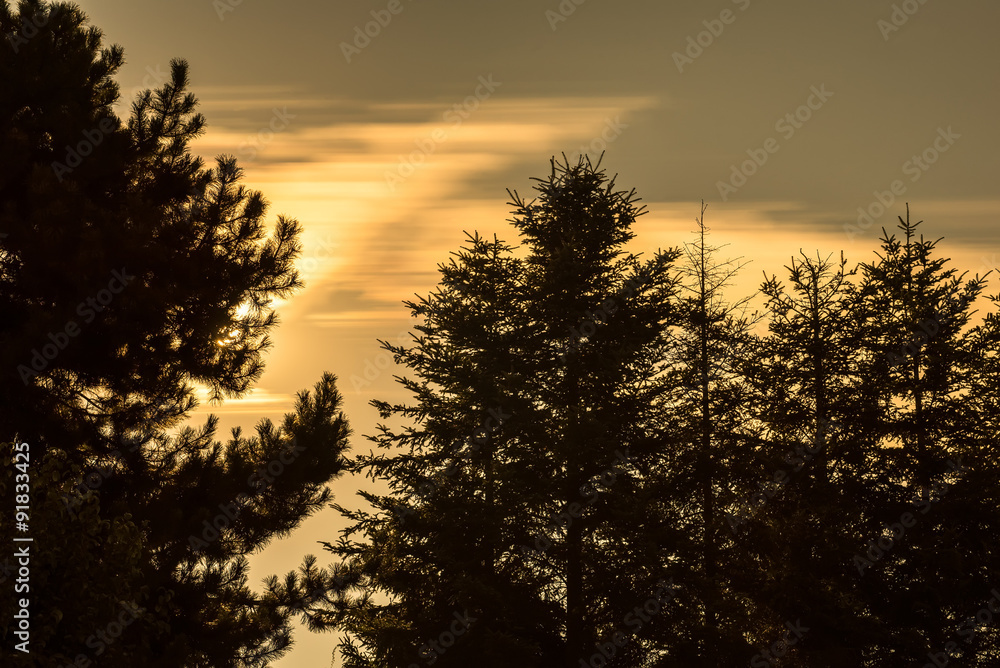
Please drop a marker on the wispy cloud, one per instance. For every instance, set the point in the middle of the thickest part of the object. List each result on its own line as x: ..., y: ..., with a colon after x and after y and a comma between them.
x: 369, y: 246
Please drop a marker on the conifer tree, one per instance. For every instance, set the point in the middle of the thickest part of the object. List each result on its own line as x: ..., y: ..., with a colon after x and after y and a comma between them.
x: 707, y: 447
x: 602, y: 398
x: 533, y: 432
x: 877, y: 390
x: 129, y: 274
x: 927, y: 365
x: 813, y: 491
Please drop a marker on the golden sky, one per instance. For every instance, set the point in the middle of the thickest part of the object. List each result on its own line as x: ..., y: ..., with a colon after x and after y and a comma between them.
x: 387, y: 150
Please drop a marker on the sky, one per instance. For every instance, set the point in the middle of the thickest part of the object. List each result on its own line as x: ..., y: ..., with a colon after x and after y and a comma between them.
x: 391, y: 128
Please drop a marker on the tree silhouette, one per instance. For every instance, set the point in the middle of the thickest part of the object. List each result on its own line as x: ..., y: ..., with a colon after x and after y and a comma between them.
x: 600, y: 400
x: 815, y: 420
x: 534, y: 428
x: 760, y: 468
x: 933, y: 461
x: 129, y: 273
x: 707, y: 452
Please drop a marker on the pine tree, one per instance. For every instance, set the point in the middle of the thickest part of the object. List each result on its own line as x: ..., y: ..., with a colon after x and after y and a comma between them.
x: 441, y: 544
x: 129, y: 273
x: 877, y: 390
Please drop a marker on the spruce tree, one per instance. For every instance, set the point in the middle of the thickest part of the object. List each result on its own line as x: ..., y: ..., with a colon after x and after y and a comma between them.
x: 705, y: 453
x: 516, y: 486
x: 813, y: 491
x: 928, y: 366
x: 603, y: 399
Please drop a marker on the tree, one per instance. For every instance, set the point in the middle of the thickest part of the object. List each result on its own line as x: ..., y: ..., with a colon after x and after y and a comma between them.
x: 818, y: 436
x: 704, y: 460
x: 601, y: 398
x: 530, y: 444
x: 81, y: 577
x: 930, y: 372
x: 880, y: 392
x: 129, y: 274
x: 976, y: 514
